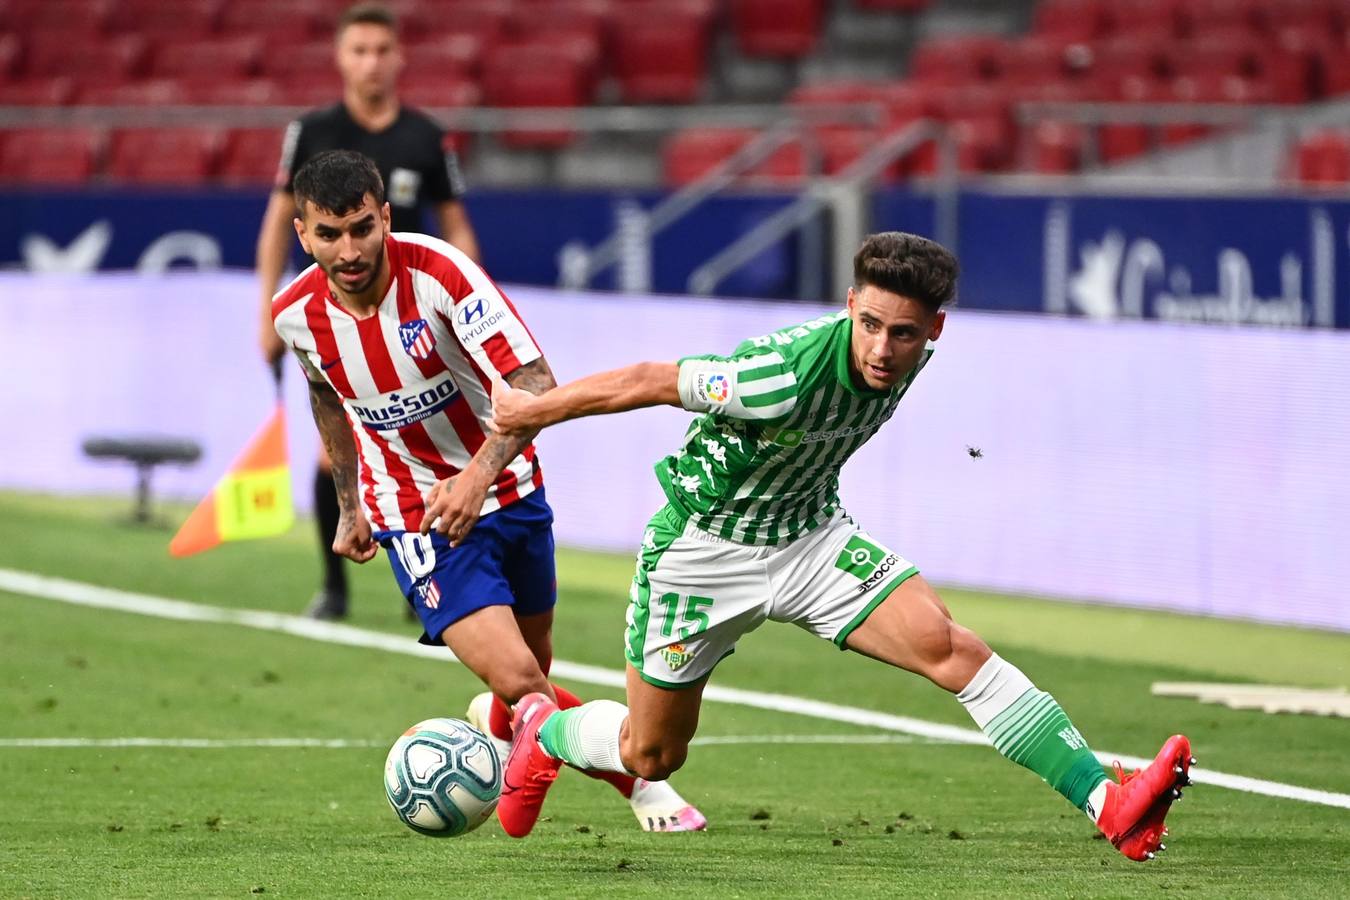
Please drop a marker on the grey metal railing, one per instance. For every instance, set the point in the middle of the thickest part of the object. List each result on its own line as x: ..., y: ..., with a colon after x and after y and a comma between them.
x: 843, y: 192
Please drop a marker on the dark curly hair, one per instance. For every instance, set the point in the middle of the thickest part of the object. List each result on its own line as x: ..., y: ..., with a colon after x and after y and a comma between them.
x: 337, y: 181
x: 908, y: 265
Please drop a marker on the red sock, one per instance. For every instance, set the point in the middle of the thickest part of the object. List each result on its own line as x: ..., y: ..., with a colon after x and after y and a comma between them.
x: 499, y: 720
x: 622, y: 783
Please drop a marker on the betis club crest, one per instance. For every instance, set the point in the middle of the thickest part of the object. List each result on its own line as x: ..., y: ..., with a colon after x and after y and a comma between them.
x: 676, y: 656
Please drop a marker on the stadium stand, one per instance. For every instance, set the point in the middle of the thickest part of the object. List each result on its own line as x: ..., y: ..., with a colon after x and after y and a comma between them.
x: 577, y: 53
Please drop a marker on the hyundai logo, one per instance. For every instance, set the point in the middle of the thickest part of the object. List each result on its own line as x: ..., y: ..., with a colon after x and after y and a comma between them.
x: 473, y: 310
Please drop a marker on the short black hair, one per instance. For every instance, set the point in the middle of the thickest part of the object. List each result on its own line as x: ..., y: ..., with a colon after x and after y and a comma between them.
x: 367, y: 14
x: 337, y: 181
x: 908, y: 265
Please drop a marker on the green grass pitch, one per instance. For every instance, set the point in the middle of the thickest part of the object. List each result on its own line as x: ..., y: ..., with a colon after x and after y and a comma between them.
x: 790, y: 819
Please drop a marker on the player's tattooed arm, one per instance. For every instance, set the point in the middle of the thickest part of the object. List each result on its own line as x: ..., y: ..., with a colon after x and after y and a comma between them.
x: 353, y: 539
x: 453, y: 505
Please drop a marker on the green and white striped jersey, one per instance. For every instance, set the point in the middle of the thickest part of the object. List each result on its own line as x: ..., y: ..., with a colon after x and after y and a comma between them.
x: 781, y: 416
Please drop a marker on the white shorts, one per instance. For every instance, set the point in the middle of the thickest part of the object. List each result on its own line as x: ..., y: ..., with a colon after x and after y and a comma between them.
x: 695, y: 594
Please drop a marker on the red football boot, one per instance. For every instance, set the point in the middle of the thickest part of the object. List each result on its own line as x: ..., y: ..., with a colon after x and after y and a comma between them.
x: 529, y: 771
x: 1136, y: 807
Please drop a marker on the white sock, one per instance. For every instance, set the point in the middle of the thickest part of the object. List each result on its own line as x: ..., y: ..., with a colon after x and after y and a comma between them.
x: 586, y: 736
x: 1097, y: 801
x: 994, y: 688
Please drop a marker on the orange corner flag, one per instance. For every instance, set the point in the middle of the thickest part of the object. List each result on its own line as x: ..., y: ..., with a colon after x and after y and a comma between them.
x: 252, y: 500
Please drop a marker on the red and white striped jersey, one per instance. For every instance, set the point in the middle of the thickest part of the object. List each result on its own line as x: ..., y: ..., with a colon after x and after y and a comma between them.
x: 416, y: 377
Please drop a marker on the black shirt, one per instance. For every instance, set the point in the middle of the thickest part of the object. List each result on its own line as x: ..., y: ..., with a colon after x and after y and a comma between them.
x: 418, y: 170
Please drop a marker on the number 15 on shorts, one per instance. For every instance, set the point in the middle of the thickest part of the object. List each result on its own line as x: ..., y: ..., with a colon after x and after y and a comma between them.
x: 688, y: 610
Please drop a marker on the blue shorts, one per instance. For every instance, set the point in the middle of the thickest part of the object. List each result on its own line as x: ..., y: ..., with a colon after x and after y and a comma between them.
x: 506, y: 560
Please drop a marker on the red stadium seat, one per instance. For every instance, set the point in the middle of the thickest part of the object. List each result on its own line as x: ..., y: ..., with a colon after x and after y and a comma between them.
x: 1311, y: 48
x: 283, y: 60
x: 544, y: 17
x: 452, y: 56
x: 907, y: 6
x: 310, y: 90
x: 295, y: 20
x: 59, y: 16
x: 660, y: 53
x: 1224, y: 53
x: 485, y: 20
x: 690, y: 154
x: 1057, y: 147
x: 37, y: 92
x: 904, y: 102
x: 433, y: 92
x: 213, y: 58
x: 84, y: 56
x: 957, y: 60
x: 1324, y: 16
x: 777, y: 28
x: 1291, y: 77
x: 1162, y: 18
x: 1083, y: 20
x: 1033, y: 60
x: 251, y: 92
x: 153, y: 92
x: 177, y: 156
x: 250, y: 156
x: 178, y: 20
x: 537, y: 74
x: 51, y: 157
x: 1208, y: 15
x: 983, y: 144
x: 11, y: 51
x: 1323, y: 158
x: 1135, y: 56
x: 842, y: 147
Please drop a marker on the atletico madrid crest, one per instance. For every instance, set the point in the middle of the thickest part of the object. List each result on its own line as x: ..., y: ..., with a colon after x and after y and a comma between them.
x: 416, y: 338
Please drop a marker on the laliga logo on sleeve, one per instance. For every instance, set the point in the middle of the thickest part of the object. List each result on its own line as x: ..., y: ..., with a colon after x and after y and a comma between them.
x: 718, y: 389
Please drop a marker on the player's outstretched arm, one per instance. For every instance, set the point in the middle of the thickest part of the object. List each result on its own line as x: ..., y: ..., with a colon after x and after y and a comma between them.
x: 453, y: 505
x: 632, y: 387
x: 353, y: 532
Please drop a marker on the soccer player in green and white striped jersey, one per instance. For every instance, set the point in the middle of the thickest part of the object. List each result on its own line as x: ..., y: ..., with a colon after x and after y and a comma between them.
x: 753, y: 530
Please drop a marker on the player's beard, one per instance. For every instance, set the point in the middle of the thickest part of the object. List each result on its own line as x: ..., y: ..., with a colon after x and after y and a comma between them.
x: 356, y: 290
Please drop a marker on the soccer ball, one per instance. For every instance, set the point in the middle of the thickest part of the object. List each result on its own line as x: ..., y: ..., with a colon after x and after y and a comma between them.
x: 443, y: 777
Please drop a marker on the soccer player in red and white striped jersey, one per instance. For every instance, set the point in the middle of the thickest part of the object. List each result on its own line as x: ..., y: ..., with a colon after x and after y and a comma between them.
x: 402, y: 336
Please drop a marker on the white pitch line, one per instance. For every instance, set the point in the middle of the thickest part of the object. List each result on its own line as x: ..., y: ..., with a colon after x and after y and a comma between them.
x: 187, y: 743
x: 348, y: 744
x: 82, y: 594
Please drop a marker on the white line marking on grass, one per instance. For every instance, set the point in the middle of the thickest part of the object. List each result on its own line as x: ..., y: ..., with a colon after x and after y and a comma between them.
x: 188, y: 743
x: 348, y: 744
x: 82, y: 594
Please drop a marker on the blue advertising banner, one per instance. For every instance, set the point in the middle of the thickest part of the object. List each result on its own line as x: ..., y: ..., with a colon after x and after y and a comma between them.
x: 1268, y: 261
x: 1220, y: 260
x: 522, y: 233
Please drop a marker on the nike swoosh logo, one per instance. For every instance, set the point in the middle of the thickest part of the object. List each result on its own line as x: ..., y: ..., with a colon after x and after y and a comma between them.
x: 328, y: 365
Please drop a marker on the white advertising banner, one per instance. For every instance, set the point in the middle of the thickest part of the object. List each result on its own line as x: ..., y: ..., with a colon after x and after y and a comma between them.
x: 1192, y: 468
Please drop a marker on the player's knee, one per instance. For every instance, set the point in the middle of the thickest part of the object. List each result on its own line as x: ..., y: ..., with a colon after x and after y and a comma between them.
x: 955, y: 656
x: 515, y: 681
x: 657, y: 761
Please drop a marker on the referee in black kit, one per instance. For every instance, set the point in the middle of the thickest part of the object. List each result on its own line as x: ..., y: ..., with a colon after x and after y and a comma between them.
x: 418, y: 171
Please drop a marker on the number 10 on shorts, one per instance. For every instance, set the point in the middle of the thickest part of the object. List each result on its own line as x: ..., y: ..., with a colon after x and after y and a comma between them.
x: 689, y: 611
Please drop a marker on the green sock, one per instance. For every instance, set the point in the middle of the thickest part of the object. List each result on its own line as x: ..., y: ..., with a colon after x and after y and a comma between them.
x: 586, y: 736
x: 1028, y: 727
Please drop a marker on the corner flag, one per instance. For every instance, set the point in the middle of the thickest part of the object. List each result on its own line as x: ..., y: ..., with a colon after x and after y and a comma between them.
x: 252, y: 500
